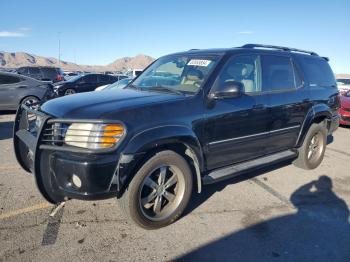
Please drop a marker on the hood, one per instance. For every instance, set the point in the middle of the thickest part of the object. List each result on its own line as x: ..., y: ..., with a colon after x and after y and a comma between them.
x: 94, y: 105
x: 345, y: 101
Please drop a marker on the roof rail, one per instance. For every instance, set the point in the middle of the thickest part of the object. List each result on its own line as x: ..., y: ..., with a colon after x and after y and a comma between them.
x: 283, y: 48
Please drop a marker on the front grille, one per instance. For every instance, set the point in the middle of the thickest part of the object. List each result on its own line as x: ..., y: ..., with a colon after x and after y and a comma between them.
x: 344, y: 118
x: 54, y: 133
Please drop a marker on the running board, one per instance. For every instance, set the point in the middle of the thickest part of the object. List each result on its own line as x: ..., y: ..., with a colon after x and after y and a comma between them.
x: 237, y: 169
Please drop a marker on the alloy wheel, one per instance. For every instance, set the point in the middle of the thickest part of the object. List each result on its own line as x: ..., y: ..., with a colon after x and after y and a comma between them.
x: 161, y: 192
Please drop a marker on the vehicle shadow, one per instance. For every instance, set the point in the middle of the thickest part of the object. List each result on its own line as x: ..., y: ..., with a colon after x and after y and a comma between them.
x: 6, y: 130
x: 319, y: 231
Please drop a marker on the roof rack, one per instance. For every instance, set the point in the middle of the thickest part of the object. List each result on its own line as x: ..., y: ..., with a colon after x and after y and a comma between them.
x: 283, y: 48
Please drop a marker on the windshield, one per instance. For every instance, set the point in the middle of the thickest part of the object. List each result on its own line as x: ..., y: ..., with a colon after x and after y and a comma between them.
x: 177, y: 74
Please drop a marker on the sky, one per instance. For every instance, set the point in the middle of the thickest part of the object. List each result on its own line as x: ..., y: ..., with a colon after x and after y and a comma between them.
x: 98, y: 32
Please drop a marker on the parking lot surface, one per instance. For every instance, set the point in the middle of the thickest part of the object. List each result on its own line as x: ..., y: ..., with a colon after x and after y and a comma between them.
x: 283, y: 214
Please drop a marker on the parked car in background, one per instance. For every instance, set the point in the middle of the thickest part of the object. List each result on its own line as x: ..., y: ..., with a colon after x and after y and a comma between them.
x: 68, y: 75
x: 83, y: 83
x: 16, y: 89
x: 119, y: 77
x: 117, y: 85
x: 345, y: 108
x: 44, y: 73
x: 133, y: 72
x: 343, y: 85
x: 211, y: 115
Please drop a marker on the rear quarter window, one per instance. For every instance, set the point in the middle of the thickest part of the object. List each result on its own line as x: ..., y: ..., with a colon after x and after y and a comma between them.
x: 317, y: 72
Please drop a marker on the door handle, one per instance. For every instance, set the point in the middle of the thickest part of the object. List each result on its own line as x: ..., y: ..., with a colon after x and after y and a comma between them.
x: 22, y: 86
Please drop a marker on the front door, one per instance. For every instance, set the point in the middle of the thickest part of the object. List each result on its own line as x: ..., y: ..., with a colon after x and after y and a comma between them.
x: 236, y: 129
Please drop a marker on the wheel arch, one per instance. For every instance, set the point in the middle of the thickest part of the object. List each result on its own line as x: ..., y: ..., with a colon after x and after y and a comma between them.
x: 316, y: 114
x: 179, y: 139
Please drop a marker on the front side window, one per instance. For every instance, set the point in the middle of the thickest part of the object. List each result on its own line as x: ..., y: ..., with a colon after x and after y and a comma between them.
x: 181, y: 74
x: 277, y: 73
x: 244, y: 69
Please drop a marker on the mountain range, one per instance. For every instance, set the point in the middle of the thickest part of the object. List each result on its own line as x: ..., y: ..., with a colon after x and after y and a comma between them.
x: 18, y: 59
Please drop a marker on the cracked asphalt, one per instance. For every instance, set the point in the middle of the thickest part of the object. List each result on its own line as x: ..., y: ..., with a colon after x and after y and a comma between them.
x: 277, y: 214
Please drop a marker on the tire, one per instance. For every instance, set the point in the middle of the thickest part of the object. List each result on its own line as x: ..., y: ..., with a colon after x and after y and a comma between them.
x: 312, y: 151
x: 29, y: 100
x: 166, y: 203
x: 69, y: 91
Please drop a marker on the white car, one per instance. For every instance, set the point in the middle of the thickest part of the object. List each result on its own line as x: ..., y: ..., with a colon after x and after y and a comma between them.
x: 343, y: 85
x: 133, y: 72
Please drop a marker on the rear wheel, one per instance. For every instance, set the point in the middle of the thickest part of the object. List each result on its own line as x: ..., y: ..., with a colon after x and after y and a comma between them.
x: 312, y: 151
x: 69, y: 91
x: 159, y: 192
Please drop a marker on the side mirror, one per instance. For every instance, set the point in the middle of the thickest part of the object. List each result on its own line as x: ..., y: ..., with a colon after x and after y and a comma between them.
x: 231, y: 89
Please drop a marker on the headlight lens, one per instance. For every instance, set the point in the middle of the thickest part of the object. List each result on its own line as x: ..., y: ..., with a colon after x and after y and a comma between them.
x: 94, y: 136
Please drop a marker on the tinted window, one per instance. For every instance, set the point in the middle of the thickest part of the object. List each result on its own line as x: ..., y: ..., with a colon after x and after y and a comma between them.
x: 50, y: 73
x: 5, y: 79
x: 89, y: 79
x: 241, y: 69
x: 34, y: 70
x: 277, y: 73
x: 104, y: 78
x: 317, y: 71
x: 22, y: 71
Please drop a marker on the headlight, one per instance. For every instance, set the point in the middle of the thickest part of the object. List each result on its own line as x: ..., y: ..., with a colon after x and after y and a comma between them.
x: 94, y: 136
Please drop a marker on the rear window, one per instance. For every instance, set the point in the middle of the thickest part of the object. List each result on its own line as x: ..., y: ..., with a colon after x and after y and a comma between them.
x: 5, y: 79
x: 317, y: 71
x: 49, y: 73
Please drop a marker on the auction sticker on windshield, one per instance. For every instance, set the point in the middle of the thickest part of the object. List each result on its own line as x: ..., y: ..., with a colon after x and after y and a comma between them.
x: 199, y: 62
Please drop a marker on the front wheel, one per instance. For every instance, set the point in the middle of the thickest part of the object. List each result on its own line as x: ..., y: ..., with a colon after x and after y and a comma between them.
x: 312, y: 151
x: 159, y: 192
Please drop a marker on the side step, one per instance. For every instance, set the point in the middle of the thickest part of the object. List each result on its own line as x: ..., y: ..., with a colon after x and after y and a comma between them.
x: 237, y: 169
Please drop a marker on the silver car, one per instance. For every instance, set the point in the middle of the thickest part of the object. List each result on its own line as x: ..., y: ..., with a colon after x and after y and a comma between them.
x: 16, y: 89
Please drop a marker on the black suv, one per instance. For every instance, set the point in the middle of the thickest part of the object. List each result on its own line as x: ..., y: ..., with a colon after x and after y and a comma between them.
x: 191, y: 118
x: 43, y: 73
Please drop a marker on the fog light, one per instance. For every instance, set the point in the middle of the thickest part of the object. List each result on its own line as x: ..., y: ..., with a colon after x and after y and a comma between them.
x: 76, y: 181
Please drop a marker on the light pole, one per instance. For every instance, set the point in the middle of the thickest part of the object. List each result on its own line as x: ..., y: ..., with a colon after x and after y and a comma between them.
x: 59, y: 49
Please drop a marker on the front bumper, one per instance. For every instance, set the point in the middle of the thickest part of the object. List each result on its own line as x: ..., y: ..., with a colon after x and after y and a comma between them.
x: 102, y: 174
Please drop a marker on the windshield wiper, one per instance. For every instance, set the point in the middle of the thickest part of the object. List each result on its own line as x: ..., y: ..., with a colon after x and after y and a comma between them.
x: 167, y: 89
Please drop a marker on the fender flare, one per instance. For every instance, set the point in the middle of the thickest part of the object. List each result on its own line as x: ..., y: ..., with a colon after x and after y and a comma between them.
x: 316, y: 113
x: 162, y: 136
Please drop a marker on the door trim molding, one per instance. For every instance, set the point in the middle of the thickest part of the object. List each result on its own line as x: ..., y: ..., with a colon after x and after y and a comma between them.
x: 253, y: 135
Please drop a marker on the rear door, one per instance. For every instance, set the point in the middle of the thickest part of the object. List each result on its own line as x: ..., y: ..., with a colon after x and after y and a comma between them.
x: 236, y: 129
x: 10, y: 91
x: 288, y: 101
x: 87, y: 83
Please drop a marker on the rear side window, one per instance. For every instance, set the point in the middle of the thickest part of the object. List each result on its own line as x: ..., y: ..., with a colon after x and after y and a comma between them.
x: 5, y: 79
x: 317, y: 71
x: 34, y: 70
x: 277, y: 73
x: 90, y: 79
x: 104, y: 78
x: 49, y: 73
